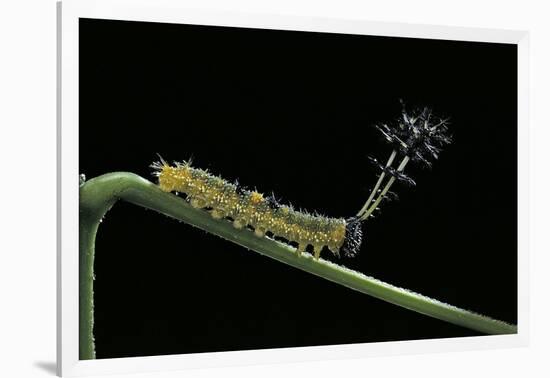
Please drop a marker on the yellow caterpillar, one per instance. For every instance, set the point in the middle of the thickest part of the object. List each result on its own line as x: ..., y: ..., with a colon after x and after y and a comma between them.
x: 263, y: 214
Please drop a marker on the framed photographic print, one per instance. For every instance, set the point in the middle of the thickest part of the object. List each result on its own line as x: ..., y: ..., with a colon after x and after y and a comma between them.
x: 239, y: 188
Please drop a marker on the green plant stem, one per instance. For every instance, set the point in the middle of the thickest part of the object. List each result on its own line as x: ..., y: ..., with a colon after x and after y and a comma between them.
x: 98, y: 195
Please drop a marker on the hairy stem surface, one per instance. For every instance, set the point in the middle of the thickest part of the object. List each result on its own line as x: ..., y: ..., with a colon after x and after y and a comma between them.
x: 98, y: 195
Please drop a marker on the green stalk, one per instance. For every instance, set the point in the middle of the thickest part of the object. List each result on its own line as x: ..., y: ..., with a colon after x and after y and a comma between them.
x: 98, y: 195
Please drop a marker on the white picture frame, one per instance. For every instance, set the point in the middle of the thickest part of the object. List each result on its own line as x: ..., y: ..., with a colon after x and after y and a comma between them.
x: 170, y: 11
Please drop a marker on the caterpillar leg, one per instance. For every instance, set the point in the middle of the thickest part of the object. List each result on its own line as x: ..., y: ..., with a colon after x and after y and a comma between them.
x: 259, y: 232
x: 216, y: 214
x: 238, y: 224
x: 198, y: 203
x: 334, y: 250
x: 301, y: 248
x: 317, y: 251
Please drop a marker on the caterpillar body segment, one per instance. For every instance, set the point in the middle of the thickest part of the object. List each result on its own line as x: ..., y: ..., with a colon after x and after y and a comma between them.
x: 226, y: 200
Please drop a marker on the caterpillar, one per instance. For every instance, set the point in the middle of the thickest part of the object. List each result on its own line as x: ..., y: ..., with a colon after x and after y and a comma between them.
x: 262, y: 214
x: 416, y: 136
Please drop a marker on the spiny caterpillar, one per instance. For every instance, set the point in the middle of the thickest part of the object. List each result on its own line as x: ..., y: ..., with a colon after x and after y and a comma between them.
x: 416, y: 137
x: 263, y: 214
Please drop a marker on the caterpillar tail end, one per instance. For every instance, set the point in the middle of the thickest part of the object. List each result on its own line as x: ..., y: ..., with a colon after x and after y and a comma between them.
x: 354, y: 236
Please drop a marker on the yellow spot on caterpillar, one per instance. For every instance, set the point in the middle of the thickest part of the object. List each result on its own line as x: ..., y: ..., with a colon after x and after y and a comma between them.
x: 256, y: 198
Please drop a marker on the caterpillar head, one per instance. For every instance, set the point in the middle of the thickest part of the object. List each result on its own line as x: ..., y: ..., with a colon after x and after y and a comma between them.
x: 171, y: 177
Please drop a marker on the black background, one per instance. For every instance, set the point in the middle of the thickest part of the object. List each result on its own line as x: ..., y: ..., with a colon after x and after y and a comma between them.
x: 291, y: 112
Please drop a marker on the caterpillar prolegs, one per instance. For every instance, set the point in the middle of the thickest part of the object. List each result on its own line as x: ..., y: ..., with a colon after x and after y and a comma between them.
x: 263, y: 214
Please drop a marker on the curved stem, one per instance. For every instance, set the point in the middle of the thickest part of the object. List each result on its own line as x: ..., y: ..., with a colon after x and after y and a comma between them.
x: 98, y: 195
